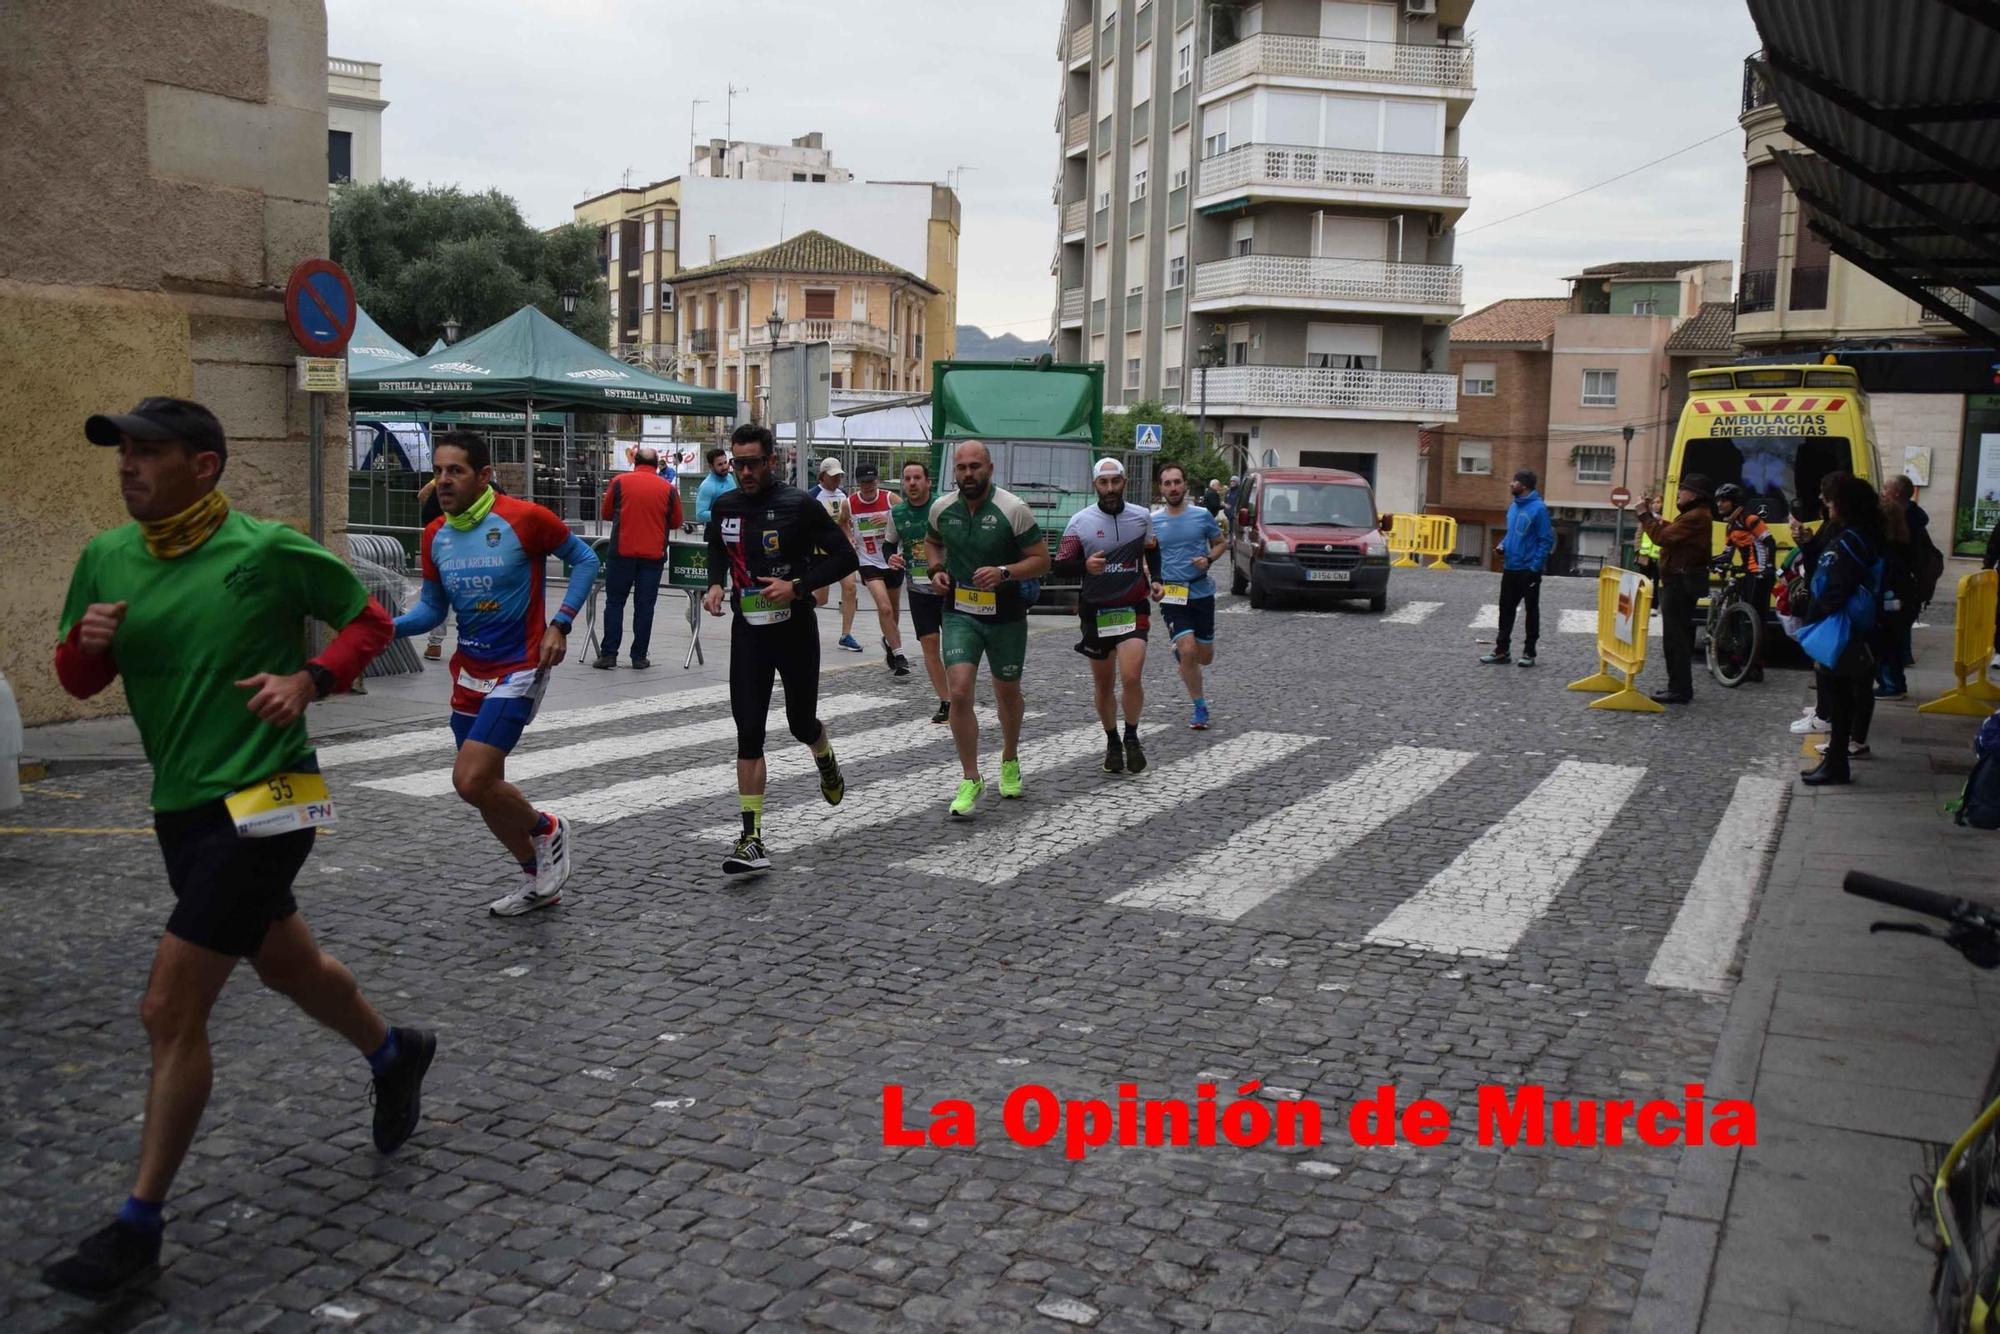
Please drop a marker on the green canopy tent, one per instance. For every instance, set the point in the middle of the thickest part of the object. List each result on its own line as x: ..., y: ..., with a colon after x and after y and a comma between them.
x: 528, y: 361
x: 370, y: 349
x: 437, y: 345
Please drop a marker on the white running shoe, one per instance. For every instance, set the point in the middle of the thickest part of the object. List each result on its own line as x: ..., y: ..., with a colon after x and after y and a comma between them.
x: 1810, y: 724
x: 1856, y: 750
x: 531, y: 895
x: 552, y: 859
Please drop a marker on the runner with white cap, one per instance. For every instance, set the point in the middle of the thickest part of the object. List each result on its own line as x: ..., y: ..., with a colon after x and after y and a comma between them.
x: 1111, y: 544
x: 829, y: 494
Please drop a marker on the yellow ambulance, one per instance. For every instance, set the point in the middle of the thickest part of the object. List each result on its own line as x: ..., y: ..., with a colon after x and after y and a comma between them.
x: 1775, y: 431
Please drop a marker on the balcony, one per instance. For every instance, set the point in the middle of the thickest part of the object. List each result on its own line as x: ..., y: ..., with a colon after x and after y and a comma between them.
x: 1759, y: 291
x: 841, y: 333
x: 1333, y: 175
x: 1076, y: 134
x: 1333, y: 59
x: 1755, y: 95
x: 1073, y: 218
x: 1301, y: 391
x: 701, y: 341
x: 1079, y: 45
x: 1299, y: 283
x: 1072, y: 307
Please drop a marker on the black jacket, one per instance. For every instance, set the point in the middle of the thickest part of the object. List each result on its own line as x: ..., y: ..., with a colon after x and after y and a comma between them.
x: 777, y: 533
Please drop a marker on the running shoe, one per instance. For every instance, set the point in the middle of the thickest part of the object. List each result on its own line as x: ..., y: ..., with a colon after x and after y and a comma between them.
x: 114, y: 1259
x: 1135, y: 757
x: 1114, y: 756
x: 531, y: 895
x: 831, y: 785
x: 748, y: 855
x: 552, y: 859
x: 1496, y: 659
x: 604, y: 662
x: 943, y: 714
x: 1010, y: 778
x: 851, y: 644
x: 1810, y: 724
x: 398, y: 1091
x: 1200, y: 723
x: 1856, y: 750
x: 968, y: 795
x: 899, y: 666
x: 1525, y: 660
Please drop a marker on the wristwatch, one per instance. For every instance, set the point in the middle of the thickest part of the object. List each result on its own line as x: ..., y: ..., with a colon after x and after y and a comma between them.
x: 798, y: 590
x: 1006, y: 574
x: 322, y: 680
x: 558, y: 623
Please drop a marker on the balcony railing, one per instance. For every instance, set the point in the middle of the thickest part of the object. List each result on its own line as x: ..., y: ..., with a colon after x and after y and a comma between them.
x: 1072, y: 305
x: 1333, y: 391
x: 701, y: 340
x: 1076, y: 134
x: 1344, y: 170
x: 1759, y: 291
x: 1073, y: 217
x: 841, y: 333
x: 1286, y: 56
x: 1755, y: 94
x: 1079, y: 44
x: 1274, y: 278
x: 1958, y: 301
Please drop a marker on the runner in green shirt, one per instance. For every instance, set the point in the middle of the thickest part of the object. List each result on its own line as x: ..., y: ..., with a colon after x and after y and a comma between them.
x: 910, y: 520
x: 982, y: 542
x: 203, y: 611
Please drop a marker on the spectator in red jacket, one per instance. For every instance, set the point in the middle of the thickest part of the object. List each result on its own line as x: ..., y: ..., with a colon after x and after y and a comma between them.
x: 644, y: 508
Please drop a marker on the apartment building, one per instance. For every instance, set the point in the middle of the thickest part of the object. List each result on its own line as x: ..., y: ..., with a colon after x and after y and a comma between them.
x: 1268, y: 190
x: 821, y: 290
x: 354, y: 107
x: 739, y: 197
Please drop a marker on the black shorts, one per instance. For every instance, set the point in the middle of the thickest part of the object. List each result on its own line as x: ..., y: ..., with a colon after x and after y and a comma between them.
x: 228, y: 889
x: 1196, y: 618
x: 882, y: 574
x: 926, y: 612
x: 1097, y: 648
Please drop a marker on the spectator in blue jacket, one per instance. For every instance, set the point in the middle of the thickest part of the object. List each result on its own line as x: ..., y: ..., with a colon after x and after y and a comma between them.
x: 719, y: 480
x: 1523, y: 552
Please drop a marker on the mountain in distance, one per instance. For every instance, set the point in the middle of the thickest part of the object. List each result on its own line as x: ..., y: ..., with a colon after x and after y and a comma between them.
x: 974, y: 344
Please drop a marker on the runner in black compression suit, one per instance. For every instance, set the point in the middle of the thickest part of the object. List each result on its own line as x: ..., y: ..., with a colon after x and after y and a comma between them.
x: 761, y: 542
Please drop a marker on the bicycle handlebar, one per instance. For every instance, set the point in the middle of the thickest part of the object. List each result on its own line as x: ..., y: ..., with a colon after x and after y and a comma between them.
x: 1973, y: 929
x: 1899, y: 895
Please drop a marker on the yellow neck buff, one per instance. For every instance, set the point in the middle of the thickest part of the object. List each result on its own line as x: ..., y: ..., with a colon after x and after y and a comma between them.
x: 168, y: 538
x: 474, y: 512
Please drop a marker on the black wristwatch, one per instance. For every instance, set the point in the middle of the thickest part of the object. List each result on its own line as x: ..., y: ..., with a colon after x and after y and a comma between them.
x: 798, y: 590
x: 322, y: 680
x: 1006, y: 574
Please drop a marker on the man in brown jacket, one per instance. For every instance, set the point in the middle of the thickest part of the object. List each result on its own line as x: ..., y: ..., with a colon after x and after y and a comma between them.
x: 1686, y: 546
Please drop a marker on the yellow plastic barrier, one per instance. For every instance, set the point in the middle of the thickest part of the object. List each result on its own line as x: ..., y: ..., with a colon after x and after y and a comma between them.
x: 1971, y: 648
x: 1403, y: 533
x: 1413, y: 535
x: 1627, y: 596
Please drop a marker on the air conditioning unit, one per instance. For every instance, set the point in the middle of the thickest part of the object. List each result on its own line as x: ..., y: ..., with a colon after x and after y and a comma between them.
x: 1420, y: 8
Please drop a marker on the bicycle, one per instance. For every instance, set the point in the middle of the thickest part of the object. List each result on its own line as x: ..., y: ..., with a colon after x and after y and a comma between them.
x: 1962, y: 1195
x: 1735, y: 630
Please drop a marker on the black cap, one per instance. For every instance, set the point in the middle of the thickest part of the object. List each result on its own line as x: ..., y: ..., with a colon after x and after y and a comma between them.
x: 161, y: 419
x: 865, y: 473
x: 1698, y: 484
x: 1526, y: 477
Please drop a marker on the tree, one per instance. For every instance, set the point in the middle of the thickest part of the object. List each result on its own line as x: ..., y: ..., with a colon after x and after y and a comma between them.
x: 420, y: 256
x: 1179, y: 442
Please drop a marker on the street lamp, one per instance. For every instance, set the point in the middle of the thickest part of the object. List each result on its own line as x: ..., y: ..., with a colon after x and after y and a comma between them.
x: 569, y: 296
x: 776, y: 324
x: 451, y: 327
x: 1618, y: 545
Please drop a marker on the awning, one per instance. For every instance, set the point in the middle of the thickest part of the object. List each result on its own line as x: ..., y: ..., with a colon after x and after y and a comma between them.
x: 370, y: 349
x: 526, y: 359
x: 1900, y: 103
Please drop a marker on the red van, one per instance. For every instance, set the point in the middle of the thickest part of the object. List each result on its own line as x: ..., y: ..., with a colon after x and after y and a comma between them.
x: 1308, y: 532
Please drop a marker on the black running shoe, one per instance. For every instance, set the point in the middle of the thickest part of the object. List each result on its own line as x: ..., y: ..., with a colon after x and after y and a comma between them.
x: 1114, y: 756
x: 398, y: 1093
x: 114, y: 1259
x: 899, y: 666
x: 943, y: 714
x: 1135, y: 757
x: 748, y: 855
x: 831, y: 785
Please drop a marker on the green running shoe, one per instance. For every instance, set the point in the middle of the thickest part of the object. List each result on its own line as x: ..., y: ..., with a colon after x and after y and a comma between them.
x: 1010, y: 778
x: 831, y: 785
x: 968, y: 794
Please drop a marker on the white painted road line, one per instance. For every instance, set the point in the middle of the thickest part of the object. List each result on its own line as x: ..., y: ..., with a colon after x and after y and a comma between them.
x: 911, y: 794
x: 1411, y: 613
x: 1485, y: 901
x: 1228, y: 879
x: 1232, y: 608
x: 1702, y: 942
x: 1577, y: 621
x: 1487, y: 619
x: 523, y: 765
x: 644, y: 709
x: 785, y: 758
x: 998, y: 855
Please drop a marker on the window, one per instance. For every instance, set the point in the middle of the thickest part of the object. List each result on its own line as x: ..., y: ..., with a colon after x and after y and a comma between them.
x: 1600, y: 389
x: 819, y: 176
x: 1215, y: 145
x: 839, y: 380
x: 798, y: 175
x: 645, y: 296
x: 1594, y: 462
x: 1103, y: 199
x: 617, y: 233
x: 1650, y: 307
x: 1180, y: 178
x: 1479, y: 379
x: 1171, y: 377
x: 614, y: 304
x: 859, y: 305
x: 667, y: 229
x: 1139, y: 183
x: 667, y: 298
x: 819, y: 303
x: 339, y: 156
x: 1131, y: 372
x: 1242, y: 233
x: 651, y: 233
x: 1177, y: 271
x: 1184, y: 64
x: 1344, y: 347
x: 1239, y: 344
x: 1475, y: 458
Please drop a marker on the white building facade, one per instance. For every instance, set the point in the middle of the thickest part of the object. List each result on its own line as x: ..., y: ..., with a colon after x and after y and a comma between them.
x: 354, y: 106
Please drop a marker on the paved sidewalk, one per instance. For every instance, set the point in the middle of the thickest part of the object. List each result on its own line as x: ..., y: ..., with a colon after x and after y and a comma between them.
x: 1857, y: 1050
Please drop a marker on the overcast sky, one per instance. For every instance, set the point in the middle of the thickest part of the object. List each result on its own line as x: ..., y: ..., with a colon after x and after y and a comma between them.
x: 551, y: 101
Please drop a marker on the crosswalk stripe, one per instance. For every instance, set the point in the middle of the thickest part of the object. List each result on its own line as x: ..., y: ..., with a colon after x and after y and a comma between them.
x: 998, y: 855
x: 1487, y: 619
x: 1702, y: 941
x: 1233, y: 608
x: 1230, y: 878
x: 1492, y: 892
x: 1411, y: 613
x: 649, y: 707
x: 909, y: 794
x: 523, y: 765
x: 657, y: 792
x: 1579, y: 621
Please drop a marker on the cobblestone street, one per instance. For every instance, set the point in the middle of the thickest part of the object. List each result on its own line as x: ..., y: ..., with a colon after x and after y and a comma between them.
x: 660, y: 1104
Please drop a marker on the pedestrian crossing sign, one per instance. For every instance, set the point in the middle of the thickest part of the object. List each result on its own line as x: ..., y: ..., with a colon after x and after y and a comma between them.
x: 1148, y: 437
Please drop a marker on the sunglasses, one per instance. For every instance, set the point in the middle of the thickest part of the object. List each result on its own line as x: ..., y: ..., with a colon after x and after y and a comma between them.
x: 745, y: 465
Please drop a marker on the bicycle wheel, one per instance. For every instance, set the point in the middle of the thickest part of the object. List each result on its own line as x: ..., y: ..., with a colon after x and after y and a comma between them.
x: 1968, y: 1267
x: 1732, y: 644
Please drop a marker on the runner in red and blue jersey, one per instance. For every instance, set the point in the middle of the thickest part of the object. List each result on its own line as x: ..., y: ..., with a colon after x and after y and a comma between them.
x: 484, y: 560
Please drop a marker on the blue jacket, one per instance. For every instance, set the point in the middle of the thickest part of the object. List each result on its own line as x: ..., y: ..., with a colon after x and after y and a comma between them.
x: 711, y: 487
x: 1530, y: 536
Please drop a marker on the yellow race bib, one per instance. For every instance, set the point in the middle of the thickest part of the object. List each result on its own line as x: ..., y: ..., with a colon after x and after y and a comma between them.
x: 280, y: 804
x: 975, y: 601
x: 1173, y: 595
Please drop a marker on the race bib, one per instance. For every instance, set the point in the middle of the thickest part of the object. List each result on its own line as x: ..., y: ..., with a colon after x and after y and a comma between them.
x: 1173, y: 595
x: 975, y: 601
x: 1117, y: 621
x: 281, y: 804
x: 478, y: 685
x: 918, y: 566
x: 760, y: 610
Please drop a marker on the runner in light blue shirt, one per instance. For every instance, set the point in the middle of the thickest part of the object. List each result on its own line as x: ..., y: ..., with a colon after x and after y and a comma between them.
x: 1190, y: 543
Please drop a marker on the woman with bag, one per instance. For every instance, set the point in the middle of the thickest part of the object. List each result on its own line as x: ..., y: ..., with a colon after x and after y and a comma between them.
x: 1837, y: 612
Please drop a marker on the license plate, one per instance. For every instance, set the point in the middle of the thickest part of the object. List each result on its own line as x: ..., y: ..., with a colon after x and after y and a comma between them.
x: 1330, y: 576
